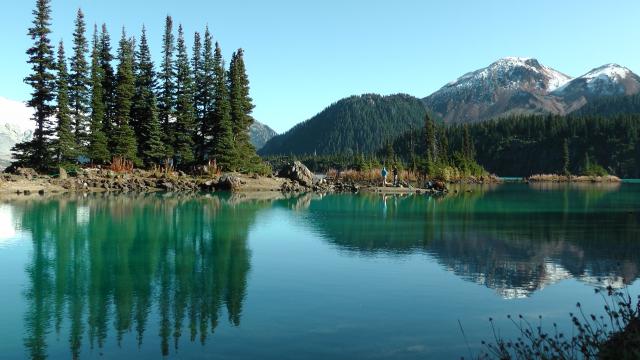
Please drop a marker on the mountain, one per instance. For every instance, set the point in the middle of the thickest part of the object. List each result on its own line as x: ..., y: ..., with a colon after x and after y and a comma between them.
x: 351, y: 125
x: 260, y: 133
x: 507, y: 86
x: 523, y: 86
x: 15, y: 127
x: 602, y: 82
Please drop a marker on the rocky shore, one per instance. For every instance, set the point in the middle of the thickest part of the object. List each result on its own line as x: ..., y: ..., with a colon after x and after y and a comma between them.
x: 293, y: 178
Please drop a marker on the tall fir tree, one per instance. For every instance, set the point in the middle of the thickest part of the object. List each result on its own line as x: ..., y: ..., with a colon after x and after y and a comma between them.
x: 468, y: 150
x: 223, y: 150
x: 124, y: 138
x: 65, y: 144
x: 36, y: 152
x: 206, y: 96
x: 167, y: 95
x: 241, y: 108
x: 108, y: 83
x: 98, y: 150
x: 431, y: 143
x: 145, y: 110
x: 79, y: 84
x: 198, y: 82
x: 185, y: 129
x: 565, y: 158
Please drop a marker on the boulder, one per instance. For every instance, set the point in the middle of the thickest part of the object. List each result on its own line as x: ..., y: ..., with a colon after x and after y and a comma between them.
x: 296, y: 171
x: 28, y: 173
x: 62, y: 174
x: 229, y: 183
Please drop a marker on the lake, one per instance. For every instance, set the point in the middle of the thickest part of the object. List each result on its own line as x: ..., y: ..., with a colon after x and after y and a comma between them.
x: 314, y: 277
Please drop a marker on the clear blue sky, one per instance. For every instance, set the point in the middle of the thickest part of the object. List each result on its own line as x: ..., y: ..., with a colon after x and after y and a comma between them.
x: 304, y: 55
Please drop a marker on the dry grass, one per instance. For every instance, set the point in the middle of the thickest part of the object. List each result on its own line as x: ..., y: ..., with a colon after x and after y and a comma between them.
x: 563, y: 178
x: 121, y: 165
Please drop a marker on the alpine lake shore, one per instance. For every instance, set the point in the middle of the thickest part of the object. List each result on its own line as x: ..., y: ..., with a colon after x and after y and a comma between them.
x: 293, y: 178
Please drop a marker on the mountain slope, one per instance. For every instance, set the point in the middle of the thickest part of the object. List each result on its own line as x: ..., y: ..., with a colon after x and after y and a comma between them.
x: 602, y: 82
x: 611, y: 106
x: 15, y: 127
x: 507, y: 86
x: 351, y: 125
x: 260, y: 133
x: 523, y: 86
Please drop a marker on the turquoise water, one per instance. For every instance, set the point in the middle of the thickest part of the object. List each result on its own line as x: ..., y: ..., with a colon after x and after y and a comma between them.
x: 336, y: 276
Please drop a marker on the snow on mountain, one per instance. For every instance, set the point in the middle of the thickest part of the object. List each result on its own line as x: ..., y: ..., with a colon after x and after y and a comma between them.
x: 603, y: 81
x: 15, y: 126
x: 509, y: 85
x: 516, y: 85
x: 510, y: 71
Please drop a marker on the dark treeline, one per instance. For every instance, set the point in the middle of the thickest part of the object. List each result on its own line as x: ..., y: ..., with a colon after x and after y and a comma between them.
x: 527, y: 145
x: 610, y: 106
x: 97, y: 105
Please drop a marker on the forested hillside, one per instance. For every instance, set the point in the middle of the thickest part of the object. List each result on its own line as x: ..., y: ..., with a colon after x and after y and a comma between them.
x: 609, y: 106
x: 526, y: 145
x: 358, y: 124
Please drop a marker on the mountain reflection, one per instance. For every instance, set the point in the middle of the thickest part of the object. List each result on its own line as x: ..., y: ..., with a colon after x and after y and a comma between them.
x: 101, y: 265
x: 515, y: 242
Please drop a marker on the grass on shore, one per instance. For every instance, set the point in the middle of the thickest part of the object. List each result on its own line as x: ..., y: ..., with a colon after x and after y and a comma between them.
x: 614, y: 335
x: 570, y: 178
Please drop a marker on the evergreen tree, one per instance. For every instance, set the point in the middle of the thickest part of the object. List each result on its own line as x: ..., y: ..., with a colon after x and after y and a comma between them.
x: 467, y: 144
x: 167, y: 96
x: 65, y: 144
x: 565, y: 158
x: 108, y: 83
x: 206, y: 96
x: 79, y: 82
x: 124, y: 138
x: 198, y: 82
x: 444, y: 146
x: 389, y: 154
x: 241, y: 108
x: 223, y: 147
x: 185, y: 130
x: 98, y: 150
x: 36, y: 152
x: 145, y: 110
x: 431, y: 144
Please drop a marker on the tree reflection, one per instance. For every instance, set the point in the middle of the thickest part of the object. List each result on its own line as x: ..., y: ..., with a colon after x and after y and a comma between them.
x: 102, y: 265
x: 513, y: 241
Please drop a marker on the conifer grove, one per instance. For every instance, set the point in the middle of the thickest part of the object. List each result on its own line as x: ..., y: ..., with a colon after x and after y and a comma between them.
x: 100, y: 103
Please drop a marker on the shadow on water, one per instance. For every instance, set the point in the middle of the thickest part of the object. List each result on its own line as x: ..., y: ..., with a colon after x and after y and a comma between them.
x: 103, y: 264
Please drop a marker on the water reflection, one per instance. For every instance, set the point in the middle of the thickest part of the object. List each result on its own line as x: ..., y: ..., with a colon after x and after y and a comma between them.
x: 509, y: 239
x: 106, y: 268
x: 109, y: 262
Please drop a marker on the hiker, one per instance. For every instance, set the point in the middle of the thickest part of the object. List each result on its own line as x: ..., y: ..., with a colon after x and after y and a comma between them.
x: 395, y: 175
x: 384, y: 176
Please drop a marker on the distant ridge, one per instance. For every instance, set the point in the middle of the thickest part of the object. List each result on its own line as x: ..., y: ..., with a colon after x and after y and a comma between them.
x: 523, y: 86
x: 357, y: 124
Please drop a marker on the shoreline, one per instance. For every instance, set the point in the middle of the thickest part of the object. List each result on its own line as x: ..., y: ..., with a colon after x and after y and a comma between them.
x: 573, y: 179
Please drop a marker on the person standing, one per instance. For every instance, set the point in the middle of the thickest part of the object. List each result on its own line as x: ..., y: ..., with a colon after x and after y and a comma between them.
x: 384, y: 176
x: 395, y: 175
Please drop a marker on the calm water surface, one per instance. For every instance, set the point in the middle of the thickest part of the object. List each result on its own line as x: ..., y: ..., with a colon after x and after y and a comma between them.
x: 339, y: 276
